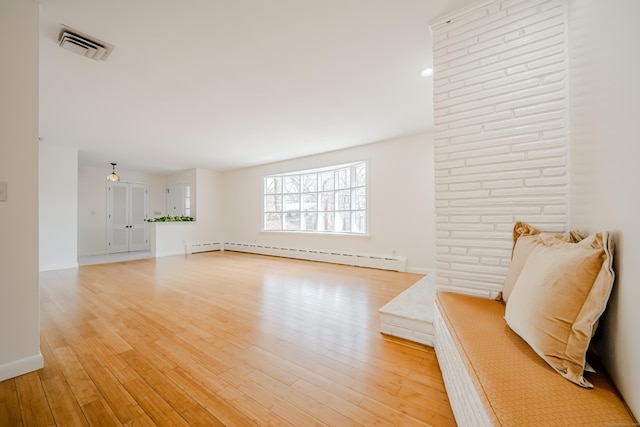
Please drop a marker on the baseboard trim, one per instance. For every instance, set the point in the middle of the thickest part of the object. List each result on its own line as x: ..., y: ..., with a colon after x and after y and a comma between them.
x: 21, y: 367
x: 59, y: 267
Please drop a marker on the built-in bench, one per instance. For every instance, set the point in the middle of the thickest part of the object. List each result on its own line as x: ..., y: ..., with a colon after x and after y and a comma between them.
x: 555, y: 291
x: 493, y: 377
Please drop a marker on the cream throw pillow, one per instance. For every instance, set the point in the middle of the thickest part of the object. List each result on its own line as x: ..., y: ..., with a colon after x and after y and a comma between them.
x: 525, y: 238
x: 559, y: 295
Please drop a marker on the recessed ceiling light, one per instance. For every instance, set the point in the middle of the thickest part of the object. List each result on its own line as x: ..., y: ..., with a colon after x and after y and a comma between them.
x: 426, y: 72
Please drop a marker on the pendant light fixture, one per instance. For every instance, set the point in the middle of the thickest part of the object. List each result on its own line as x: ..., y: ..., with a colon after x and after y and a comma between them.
x: 113, y: 176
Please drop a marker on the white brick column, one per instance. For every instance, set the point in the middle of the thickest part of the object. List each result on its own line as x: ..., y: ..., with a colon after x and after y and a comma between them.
x: 501, y: 137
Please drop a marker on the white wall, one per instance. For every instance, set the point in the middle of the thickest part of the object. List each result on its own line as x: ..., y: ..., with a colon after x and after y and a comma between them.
x: 58, y: 196
x: 400, y: 205
x: 92, y: 203
x: 501, y: 144
x: 209, y: 195
x: 604, y: 64
x: 19, y: 304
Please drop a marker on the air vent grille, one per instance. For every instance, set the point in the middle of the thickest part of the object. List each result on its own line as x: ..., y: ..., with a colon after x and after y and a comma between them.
x: 83, y: 44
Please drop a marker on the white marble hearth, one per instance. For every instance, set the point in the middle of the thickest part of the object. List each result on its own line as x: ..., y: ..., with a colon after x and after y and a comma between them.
x: 410, y: 314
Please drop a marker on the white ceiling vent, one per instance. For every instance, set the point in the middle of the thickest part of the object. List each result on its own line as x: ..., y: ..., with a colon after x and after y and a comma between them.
x: 83, y: 44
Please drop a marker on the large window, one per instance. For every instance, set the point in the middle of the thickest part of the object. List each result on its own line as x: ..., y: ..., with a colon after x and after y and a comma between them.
x: 326, y: 200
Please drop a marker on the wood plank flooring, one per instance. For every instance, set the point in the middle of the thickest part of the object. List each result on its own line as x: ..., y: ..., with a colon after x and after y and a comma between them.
x: 229, y: 339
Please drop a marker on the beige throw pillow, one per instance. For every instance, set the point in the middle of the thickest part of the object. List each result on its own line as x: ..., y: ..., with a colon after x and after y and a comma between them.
x: 525, y: 238
x: 559, y: 295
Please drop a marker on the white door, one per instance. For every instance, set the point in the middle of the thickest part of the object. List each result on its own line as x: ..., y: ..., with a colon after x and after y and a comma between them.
x: 117, y: 217
x: 138, y: 231
x: 126, y: 212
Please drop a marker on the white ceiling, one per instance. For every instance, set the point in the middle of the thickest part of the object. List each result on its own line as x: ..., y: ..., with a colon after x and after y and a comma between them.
x: 225, y: 84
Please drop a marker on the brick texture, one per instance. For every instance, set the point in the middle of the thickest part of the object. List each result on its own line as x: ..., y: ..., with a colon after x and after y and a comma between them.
x: 501, y: 135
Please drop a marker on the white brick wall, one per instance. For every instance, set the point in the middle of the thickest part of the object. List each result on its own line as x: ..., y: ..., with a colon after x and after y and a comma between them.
x: 500, y: 106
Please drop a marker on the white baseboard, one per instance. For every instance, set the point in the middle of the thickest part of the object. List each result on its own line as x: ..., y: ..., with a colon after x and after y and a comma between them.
x: 20, y: 367
x: 58, y: 267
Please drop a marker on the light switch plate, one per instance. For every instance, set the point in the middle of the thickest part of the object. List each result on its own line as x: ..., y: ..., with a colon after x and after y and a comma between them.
x: 3, y: 191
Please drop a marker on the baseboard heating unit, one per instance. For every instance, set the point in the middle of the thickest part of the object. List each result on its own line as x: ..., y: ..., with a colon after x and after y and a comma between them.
x: 396, y: 263
x: 194, y: 248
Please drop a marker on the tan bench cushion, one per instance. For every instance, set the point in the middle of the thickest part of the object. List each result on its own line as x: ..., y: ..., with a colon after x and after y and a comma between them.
x: 517, y: 386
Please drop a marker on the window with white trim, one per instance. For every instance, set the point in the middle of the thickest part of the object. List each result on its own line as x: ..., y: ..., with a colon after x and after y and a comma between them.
x: 325, y: 200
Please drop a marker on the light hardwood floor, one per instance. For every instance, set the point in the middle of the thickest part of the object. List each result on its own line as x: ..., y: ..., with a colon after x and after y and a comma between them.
x: 224, y: 339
